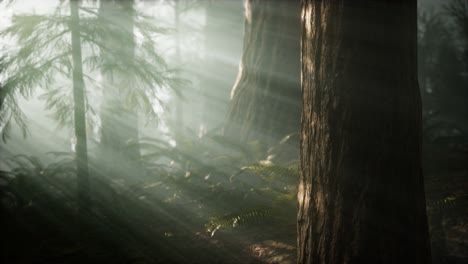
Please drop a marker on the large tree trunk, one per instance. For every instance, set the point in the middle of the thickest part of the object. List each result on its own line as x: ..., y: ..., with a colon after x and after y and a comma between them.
x: 119, y: 122
x: 79, y: 110
x: 266, y: 97
x: 361, y: 194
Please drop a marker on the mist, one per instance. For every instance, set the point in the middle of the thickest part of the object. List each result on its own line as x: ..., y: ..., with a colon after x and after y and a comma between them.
x: 170, y: 131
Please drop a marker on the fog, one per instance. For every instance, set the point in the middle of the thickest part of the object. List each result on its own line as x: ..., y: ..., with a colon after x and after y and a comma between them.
x: 162, y: 169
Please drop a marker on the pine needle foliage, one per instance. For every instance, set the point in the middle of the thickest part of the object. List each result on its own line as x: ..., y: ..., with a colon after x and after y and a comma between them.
x: 41, y: 61
x: 458, y: 10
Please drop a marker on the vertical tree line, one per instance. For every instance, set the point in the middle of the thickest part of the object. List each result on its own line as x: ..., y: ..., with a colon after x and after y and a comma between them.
x: 361, y: 189
x: 79, y: 108
x: 75, y: 46
x: 119, y: 118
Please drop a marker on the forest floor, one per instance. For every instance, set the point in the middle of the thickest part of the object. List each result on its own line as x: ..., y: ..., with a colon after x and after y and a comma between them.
x: 30, y: 237
x: 49, y: 232
x: 446, y: 180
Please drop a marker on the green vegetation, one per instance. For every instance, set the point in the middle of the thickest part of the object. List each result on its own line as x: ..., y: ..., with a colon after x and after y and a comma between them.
x: 113, y: 117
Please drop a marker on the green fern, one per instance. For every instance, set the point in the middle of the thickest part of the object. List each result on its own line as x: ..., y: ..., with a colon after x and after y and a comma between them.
x: 270, y: 171
x: 245, y: 218
x: 446, y: 203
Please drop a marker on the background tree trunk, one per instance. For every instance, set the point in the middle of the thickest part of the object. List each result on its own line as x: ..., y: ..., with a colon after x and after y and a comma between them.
x: 361, y: 192
x: 119, y: 122
x: 266, y: 96
x: 179, y: 103
x: 79, y: 110
x: 222, y: 31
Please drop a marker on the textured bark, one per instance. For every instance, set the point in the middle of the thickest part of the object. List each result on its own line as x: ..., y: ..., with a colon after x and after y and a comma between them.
x: 79, y: 110
x: 266, y: 97
x: 119, y: 123
x: 361, y: 195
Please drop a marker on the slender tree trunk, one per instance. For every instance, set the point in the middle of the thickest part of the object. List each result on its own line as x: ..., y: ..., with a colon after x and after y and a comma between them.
x: 79, y: 109
x: 361, y: 193
x: 266, y: 96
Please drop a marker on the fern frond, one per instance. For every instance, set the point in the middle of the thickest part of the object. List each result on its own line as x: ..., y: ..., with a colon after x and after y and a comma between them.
x: 446, y: 203
x: 270, y: 171
x: 245, y: 218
